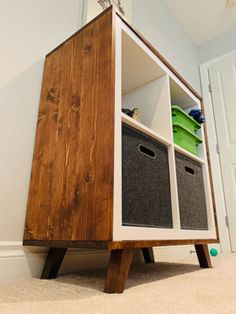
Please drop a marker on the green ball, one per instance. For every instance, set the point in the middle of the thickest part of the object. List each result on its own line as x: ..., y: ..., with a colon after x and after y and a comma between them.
x: 213, y: 251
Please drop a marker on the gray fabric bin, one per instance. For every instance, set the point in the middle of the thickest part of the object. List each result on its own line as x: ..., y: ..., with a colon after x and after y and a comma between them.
x: 146, y: 199
x: 192, y: 201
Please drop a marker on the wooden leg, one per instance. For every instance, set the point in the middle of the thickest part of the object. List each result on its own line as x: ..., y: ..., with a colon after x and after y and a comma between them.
x: 53, y: 262
x: 118, y: 270
x: 203, y: 255
x: 148, y: 255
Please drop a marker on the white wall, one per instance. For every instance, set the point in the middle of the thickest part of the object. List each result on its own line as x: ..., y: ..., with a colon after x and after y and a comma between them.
x: 217, y: 46
x: 154, y: 20
x: 30, y: 29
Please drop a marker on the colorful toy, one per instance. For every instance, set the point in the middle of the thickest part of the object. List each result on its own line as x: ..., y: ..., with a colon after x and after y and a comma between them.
x: 196, y: 114
x: 213, y: 251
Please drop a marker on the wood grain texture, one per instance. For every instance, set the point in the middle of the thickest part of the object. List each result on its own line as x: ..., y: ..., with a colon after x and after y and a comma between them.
x: 68, y: 244
x: 71, y: 189
x: 109, y: 245
x: 118, y: 270
x: 203, y: 255
x: 152, y: 243
x: 53, y: 262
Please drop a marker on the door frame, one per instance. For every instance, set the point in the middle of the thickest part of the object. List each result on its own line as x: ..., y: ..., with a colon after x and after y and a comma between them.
x: 213, y: 154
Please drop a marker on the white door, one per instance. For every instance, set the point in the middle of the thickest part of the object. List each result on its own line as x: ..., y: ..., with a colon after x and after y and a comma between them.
x: 222, y: 77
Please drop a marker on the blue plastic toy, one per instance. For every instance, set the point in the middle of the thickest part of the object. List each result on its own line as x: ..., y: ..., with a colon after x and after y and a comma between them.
x: 213, y: 251
x: 196, y: 114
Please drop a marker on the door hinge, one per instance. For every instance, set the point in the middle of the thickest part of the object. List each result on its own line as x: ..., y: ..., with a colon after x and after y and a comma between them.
x: 217, y: 148
x: 209, y: 88
x: 227, y: 221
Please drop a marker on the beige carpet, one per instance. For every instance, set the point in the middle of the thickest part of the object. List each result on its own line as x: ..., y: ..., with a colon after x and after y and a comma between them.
x: 154, y: 288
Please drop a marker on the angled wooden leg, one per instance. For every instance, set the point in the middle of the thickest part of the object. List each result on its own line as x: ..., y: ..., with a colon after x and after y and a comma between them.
x: 203, y: 255
x: 53, y: 262
x: 148, y: 255
x: 118, y: 270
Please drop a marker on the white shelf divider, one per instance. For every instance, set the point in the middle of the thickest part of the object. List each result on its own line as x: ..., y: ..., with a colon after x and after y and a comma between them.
x: 141, y: 127
x: 174, y: 189
x: 188, y: 154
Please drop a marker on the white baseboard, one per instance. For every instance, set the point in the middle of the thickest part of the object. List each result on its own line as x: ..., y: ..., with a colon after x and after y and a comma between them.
x: 178, y: 253
x: 18, y: 262
x: 173, y: 253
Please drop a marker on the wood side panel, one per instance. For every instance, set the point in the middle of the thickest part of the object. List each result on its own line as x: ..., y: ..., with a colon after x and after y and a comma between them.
x: 71, y: 189
x: 42, y: 164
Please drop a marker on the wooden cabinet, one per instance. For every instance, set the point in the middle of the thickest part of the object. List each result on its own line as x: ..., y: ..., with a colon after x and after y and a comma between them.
x: 75, y: 196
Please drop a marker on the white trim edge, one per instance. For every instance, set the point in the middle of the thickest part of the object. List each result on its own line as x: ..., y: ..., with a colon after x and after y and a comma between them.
x: 24, y: 262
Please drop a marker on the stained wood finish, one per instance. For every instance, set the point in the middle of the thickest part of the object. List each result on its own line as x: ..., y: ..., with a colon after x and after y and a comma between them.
x: 71, y: 189
x: 148, y: 255
x: 116, y: 245
x: 203, y: 255
x: 53, y: 262
x: 69, y: 244
x: 148, y: 243
x: 118, y: 270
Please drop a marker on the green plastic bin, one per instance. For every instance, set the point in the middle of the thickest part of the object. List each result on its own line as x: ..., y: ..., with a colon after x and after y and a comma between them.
x: 185, y: 139
x: 181, y: 117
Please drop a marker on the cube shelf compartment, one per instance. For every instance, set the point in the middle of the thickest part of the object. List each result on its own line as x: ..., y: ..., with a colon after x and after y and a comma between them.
x: 146, y: 198
x: 192, y: 199
x: 181, y: 117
